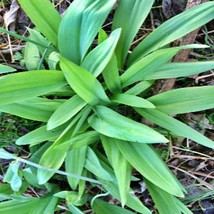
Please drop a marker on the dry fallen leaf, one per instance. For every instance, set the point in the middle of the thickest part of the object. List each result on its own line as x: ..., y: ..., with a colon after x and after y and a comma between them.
x: 10, y: 16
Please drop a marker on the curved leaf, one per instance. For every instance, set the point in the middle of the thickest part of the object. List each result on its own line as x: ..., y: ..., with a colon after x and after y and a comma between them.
x: 80, y: 25
x: 173, y: 29
x: 83, y: 83
x: 150, y: 63
x: 38, y: 109
x: 38, y: 135
x: 132, y: 100
x: 129, y: 16
x: 99, y: 57
x: 25, y: 85
x: 145, y: 160
x: 121, y: 166
x: 112, y: 124
x: 184, y: 100
x: 66, y: 111
x: 46, y: 22
x: 174, y: 70
x: 175, y: 126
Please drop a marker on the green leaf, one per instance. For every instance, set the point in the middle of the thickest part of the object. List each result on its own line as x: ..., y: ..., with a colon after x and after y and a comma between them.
x: 83, y: 83
x: 38, y: 135
x: 111, y: 76
x: 54, y: 157
x: 25, y: 85
x: 66, y: 111
x: 74, y: 209
x: 175, y: 126
x: 75, y: 161
x: 139, y: 87
x: 32, y: 57
x: 129, y: 16
x: 150, y: 63
x: 93, y: 165
x: 132, y: 201
x: 174, y: 70
x: 6, y: 155
x: 99, y: 57
x: 184, y: 100
x: 173, y: 29
x: 166, y: 203
x: 47, y: 23
x: 38, y: 109
x: 132, y: 100
x: 12, y: 176
x: 6, y: 69
x: 101, y: 207
x: 44, y: 46
x: 112, y: 124
x: 25, y: 205
x: 80, y: 24
x: 80, y: 140
x: 145, y: 160
x: 121, y: 166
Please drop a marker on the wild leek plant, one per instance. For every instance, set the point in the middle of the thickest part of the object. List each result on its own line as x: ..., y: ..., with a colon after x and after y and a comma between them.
x: 90, y: 92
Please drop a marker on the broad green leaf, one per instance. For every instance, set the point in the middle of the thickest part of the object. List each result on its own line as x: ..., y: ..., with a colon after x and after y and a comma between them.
x: 165, y: 203
x: 53, y: 157
x: 38, y: 109
x: 139, y: 87
x: 6, y: 69
x: 83, y: 83
x: 129, y: 16
x: 38, y: 135
x: 121, y: 166
x: 184, y: 100
x: 93, y: 165
x: 150, y: 63
x: 110, y: 72
x: 25, y: 205
x: 112, y: 124
x: 6, y: 155
x: 173, y: 29
x: 174, y: 70
x: 145, y: 160
x: 99, y: 57
x: 80, y: 24
x: 101, y: 207
x: 111, y: 186
x: 80, y: 140
x: 132, y: 100
x: 25, y: 85
x: 111, y: 76
x: 46, y: 22
x: 12, y: 176
x: 74, y: 163
x: 175, y: 126
x: 66, y: 111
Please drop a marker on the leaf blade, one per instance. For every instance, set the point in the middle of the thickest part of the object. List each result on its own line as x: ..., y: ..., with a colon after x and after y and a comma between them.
x: 114, y: 125
x: 47, y: 23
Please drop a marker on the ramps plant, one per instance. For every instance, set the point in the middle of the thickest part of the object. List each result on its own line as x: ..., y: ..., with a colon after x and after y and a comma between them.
x: 83, y: 90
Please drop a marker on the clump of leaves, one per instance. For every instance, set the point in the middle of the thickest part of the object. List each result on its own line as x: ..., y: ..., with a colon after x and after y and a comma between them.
x: 81, y: 99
